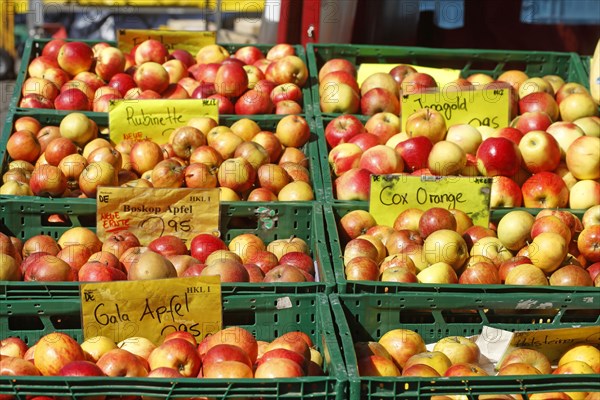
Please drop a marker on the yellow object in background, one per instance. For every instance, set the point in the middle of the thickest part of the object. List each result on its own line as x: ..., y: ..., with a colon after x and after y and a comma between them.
x: 192, y: 41
x: 442, y: 76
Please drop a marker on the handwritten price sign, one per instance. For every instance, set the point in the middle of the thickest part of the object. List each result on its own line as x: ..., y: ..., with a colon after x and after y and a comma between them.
x: 489, y: 106
x: 154, y: 212
x: 392, y: 194
x: 152, y: 308
x: 155, y: 119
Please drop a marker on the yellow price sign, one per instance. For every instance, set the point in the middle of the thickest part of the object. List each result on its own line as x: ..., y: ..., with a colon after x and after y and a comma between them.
x: 394, y: 193
x: 154, y: 212
x: 192, y: 41
x: 488, y: 106
x: 155, y: 119
x: 442, y: 76
x: 151, y: 308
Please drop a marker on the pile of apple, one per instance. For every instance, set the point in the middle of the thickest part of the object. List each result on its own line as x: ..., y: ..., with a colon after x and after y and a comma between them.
x: 229, y: 353
x: 402, y: 352
x: 72, y: 75
x: 547, y: 157
x: 444, y: 247
x: 244, y: 160
x: 78, y: 255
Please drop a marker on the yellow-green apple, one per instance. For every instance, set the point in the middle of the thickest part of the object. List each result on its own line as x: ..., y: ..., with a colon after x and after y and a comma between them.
x: 466, y: 136
x: 545, y: 190
x: 399, y: 274
x: 339, y: 98
x: 379, y: 100
x: 583, y: 157
x: 151, y: 265
x: 539, y: 101
x: 415, y: 152
x: 458, y: 349
x: 280, y: 247
x: 589, y: 125
x: 75, y: 57
x: 555, y: 80
x: 176, y: 353
x: 288, y: 69
x: 505, y: 192
x: 577, y: 105
x: 492, y: 248
x: 547, y: 251
x: 539, y: 151
x: 436, y: 218
x: 416, y: 82
x: 379, y: 80
x: 570, y: 88
x: 353, y: 185
x: 534, y: 85
x: 381, y: 159
x: 355, y: 223
x: 582, y: 352
x: 95, y: 174
x: 591, y: 216
x: 337, y: 64
x: 96, y: 346
x: 514, y: 229
x: 465, y: 369
x: 138, y: 345
x: 119, y: 362
x: 435, y: 359
x: 498, y: 156
x: 526, y: 274
x: 376, y: 365
x: 55, y: 350
x: 401, y: 344
x: 574, y: 367
x: 550, y: 223
x: 399, y: 72
x: 445, y: 245
x: 79, y: 128
x: 446, y: 158
x: 531, y: 121
x: 342, y: 128
x: 588, y: 243
x: 292, y: 131
x: 344, y: 157
x: 565, y: 133
x: 426, y: 122
x: 571, y: 275
x: 440, y: 272
x: 334, y: 78
x: 297, y: 190
x: 213, y: 53
x: 397, y: 138
x: 384, y: 125
x: 532, y: 357
x: 518, y: 368
x: 480, y: 79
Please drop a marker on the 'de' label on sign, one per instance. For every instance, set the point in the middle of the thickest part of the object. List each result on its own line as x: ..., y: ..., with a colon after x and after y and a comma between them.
x: 394, y: 193
x: 150, y: 213
x: 155, y: 119
x: 191, y: 41
x: 487, y: 106
x: 151, y: 308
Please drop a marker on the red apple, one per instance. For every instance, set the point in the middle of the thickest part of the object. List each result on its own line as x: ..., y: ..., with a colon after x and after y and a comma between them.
x: 540, y: 151
x: 545, y: 190
x: 55, y: 350
x: 353, y: 185
x: 498, y: 156
x: 75, y: 57
x: 532, y: 121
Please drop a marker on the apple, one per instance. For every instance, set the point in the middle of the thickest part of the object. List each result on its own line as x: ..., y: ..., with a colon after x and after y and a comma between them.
x: 403, y: 241
x: 434, y: 219
x: 334, y: 78
x: 55, y: 350
x: 23, y: 145
x: 466, y: 136
x: 203, y: 244
x: 95, y: 346
x: 439, y: 272
x: 415, y: 152
x: 498, y: 156
x: 564, y: 133
x: 426, y: 122
x: 420, y: 370
x: 176, y: 353
x: 151, y: 76
x: 225, y: 352
x: 365, y: 140
x: 416, y: 82
x: 505, y: 192
x: 96, y: 174
x: 583, y: 157
x: 518, y: 368
x: 79, y: 128
x: 540, y: 151
x: 545, y: 190
x: 41, y: 87
x: 458, y: 349
x: 534, y: 85
x: 138, y: 345
x: 107, y: 154
x: 379, y: 100
x: 13, y: 347
x: 514, y: 77
x: 384, y: 125
x: 583, y: 353
x: 515, y: 229
x: 52, y: 48
x: 360, y: 247
x: 16, y: 366
x: 589, y: 125
x: 361, y: 268
x: 119, y: 362
x: 151, y: 265
x: 75, y: 57
x: 576, y: 106
x: 588, y: 243
x: 591, y: 216
x: 288, y: 69
x: 526, y: 274
x: 445, y: 245
x: 80, y: 368
x: 375, y: 365
x: 539, y: 101
x: 168, y: 245
x: 571, y: 275
x: 293, y: 131
x: 399, y: 72
x: 531, y: 121
x: 446, y: 158
x: 435, y: 359
x: 584, y: 194
x: 337, y: 64
x: 339, y: 98
x: 402, y: 344
x: 48, y: 181
x: 355, y: 223
x: 465, y: 369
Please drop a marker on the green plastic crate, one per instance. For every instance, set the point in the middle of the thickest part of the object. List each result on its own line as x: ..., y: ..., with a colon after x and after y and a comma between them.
x: 558, y: 295
x: 33, y: 48
x: 269, y: 221
x: 311, y: 149
x: 468, y: 61
x: 261, y: 315
x: 368, y: 316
